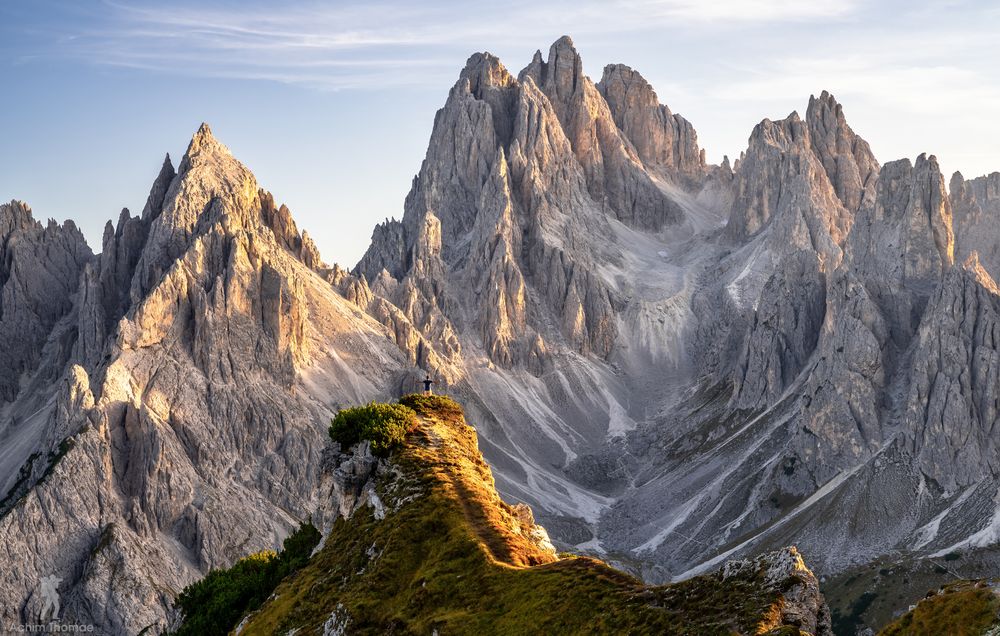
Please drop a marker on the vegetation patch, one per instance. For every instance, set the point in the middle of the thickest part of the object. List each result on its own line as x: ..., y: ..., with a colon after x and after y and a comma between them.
x: 875, y: 594
x: 432, y: 405
x: 965, y: 608
x: 384, y: 425
x: 56, y: 456
x: 19, y: 487
x: 216, y: 603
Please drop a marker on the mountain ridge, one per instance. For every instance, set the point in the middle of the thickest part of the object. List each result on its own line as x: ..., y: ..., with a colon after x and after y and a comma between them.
x: 430, y: 546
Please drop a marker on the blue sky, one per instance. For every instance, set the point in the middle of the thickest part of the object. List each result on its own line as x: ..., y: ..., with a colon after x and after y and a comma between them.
x: 331, y: 104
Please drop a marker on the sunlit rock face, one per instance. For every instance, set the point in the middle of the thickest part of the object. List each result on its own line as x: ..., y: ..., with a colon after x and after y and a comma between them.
x: 975, y: 204
x: 674, y: 363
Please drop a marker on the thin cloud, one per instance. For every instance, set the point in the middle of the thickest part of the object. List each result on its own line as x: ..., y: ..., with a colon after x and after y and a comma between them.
x: 746, y: 11
x: 254, y: 42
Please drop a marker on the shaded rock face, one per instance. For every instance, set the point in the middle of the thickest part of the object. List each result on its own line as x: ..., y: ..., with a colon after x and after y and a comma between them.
x: 40, y: 269
x: 784, y: 332
x: 952, y: 403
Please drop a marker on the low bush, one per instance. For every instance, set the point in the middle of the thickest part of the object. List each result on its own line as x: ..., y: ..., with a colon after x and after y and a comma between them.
x: 216, y: 603
x: 384, y: 425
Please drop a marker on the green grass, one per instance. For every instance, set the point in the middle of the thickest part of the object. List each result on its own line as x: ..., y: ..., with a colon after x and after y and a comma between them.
x: 216, y: 603
x: 451, y: 556
x: 875, y: 594
x: 966, y: 608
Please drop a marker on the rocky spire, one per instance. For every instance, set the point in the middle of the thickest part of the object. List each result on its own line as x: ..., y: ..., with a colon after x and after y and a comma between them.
x: 781, y: 184
x: 157, y: 193
x: 661, y: 139
x: 489, y: 81
x: 845, y: 156
x: 614, y: 171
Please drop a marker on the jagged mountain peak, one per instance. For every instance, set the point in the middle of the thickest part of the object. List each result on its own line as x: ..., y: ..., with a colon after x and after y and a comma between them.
x: 778, y: 131
x: 633, y: 82
x: 485, y: 70
x: 826, y: 99
x: 157, y: 192
x: 561, y: 73
x: 16, y: 214
x: 846, y: 157
x: 204, y: 148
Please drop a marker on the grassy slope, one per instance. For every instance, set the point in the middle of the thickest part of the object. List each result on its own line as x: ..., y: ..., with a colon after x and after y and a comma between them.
x: 449, y: 557
x: 875, y: 594
x: 966, y: 608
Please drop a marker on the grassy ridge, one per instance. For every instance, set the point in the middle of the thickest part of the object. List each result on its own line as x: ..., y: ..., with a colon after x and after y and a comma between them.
x: 964, y: 608
x: 451, y: 556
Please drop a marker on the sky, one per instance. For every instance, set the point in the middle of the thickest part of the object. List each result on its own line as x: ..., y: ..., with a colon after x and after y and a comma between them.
x: 331, y: 104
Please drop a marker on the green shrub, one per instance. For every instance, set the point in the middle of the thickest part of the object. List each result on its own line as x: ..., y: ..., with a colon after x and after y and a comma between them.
x: 216, y: 603
x: 384, y: 425
x: 431, y: 404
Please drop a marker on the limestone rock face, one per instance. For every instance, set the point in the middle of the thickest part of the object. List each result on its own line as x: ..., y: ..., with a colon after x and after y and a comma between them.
x: 781, y: 183
x: 661, y: 139
x: 615, y: 175
x: 846, y: 157
x: 784, y: 331
x: 952, y: 406
x: 346, y: 483
x: 898, y: 250
x: 975, y: 205
x: 904, y: 243
x: 40, y: 269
